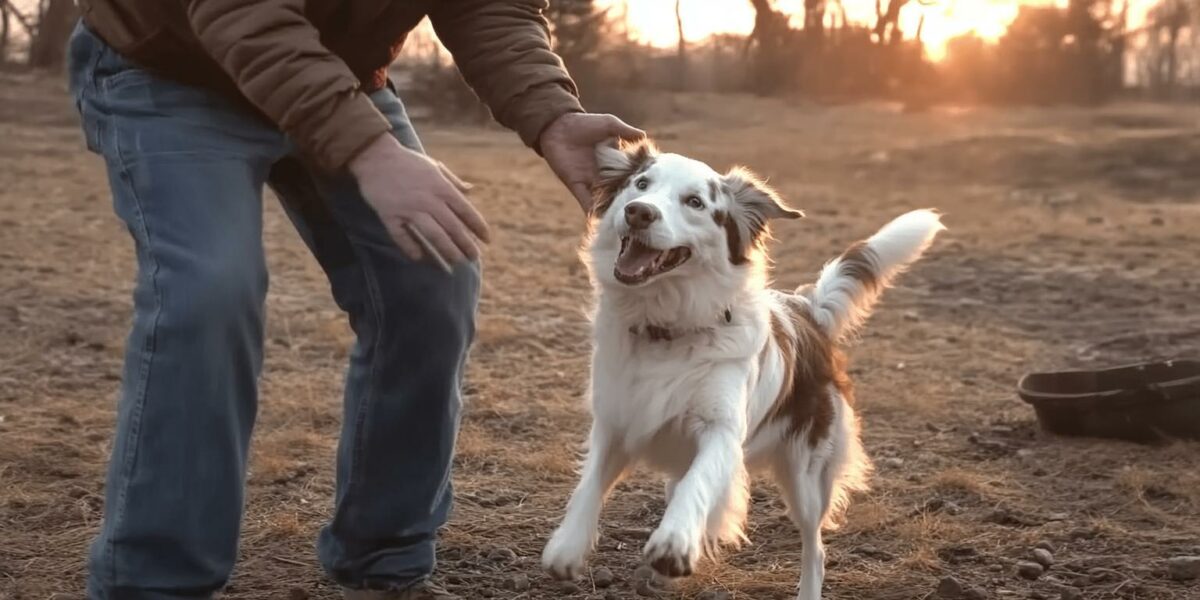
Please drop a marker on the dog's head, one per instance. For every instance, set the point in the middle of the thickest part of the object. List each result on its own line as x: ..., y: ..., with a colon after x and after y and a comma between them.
x: 657, y: 216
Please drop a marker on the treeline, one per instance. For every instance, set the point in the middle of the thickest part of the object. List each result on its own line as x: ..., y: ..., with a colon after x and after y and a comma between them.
x: 1085, y: 52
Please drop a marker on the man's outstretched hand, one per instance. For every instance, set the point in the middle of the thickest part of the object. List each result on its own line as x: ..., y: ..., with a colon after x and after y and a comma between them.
x: 569, y: 146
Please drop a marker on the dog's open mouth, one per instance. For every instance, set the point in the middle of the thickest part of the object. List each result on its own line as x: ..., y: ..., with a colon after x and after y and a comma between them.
x: 639, y: 261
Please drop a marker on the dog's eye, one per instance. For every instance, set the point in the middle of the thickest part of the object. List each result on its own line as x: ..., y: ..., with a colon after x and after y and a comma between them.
x: 642, y: 183
x: 694, y: 202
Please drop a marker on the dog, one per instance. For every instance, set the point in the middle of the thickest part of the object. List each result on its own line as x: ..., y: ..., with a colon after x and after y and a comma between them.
x: 701, y: 371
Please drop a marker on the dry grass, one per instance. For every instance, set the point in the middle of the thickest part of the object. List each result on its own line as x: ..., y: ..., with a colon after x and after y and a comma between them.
x: 1071, y: 242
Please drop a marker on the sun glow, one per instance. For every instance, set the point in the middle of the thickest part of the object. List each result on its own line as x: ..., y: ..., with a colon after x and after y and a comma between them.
x: 653, y: 21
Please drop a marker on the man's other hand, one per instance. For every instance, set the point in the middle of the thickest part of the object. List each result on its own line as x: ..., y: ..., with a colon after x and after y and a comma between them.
x: 406, y: 187
x: 569, y: 147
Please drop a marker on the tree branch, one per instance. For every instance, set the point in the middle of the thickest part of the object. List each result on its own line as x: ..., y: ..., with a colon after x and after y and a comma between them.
x: 30, y: 29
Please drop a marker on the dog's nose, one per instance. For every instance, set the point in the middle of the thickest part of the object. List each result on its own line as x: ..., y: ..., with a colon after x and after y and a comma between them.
x: 640, y: 215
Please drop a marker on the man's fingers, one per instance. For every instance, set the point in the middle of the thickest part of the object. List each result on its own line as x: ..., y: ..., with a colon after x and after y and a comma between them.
x: 623, y: 130
x: 404, y: 239
x: 458, y: 232
x: 427, y: 248
x: 438, y: 238
x: 460, y: 205
x: 462, y: 186
x: 469, y: 215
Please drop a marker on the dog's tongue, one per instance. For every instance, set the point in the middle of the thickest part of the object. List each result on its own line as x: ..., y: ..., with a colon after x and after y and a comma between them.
x: 635, y: 258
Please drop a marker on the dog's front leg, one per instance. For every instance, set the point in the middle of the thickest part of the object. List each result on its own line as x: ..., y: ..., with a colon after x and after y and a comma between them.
x: 565, y: 556
x: 715, y: 473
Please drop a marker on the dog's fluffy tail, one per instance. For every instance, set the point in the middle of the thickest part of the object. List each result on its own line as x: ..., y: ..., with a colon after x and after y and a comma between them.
x: 850, y: 285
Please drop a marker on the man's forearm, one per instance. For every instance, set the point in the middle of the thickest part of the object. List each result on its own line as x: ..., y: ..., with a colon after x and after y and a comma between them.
x: 503, y: 50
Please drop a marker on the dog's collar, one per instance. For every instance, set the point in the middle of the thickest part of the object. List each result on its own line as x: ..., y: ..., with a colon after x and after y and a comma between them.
x: 659, y: 333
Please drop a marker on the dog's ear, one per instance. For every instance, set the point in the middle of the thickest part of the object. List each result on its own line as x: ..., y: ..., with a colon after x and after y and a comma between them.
x: 616, y: 164
x: 753, y: 204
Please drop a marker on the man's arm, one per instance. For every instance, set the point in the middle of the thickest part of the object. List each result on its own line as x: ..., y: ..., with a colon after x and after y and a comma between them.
x: 275, y: 56
x: 502, y: 48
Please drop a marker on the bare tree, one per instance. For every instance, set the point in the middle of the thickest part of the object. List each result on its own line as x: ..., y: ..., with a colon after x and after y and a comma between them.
x: 681, y: 50
x: 773, y: 61
x: 579, y: 28
x: 9, y: 13
x: 814, y: 21
x: 1167, y: 21
x: 3, y: 32
x: 839, y: 19
x: 56, y: 18
x: 887, y: 23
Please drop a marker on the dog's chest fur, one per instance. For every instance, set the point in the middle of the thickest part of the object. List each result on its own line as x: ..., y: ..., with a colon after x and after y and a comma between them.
x: 657, y: 392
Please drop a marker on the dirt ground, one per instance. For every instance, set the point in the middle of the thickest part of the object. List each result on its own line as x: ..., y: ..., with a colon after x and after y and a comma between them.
x: 1073, y: 241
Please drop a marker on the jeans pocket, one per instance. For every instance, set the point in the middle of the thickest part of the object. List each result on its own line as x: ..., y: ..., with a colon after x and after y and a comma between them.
x: 128, y: 76
x: 90, y: 123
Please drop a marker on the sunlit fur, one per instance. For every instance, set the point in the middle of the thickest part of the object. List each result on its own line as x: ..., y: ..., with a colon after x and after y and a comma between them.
x: 750, y: 379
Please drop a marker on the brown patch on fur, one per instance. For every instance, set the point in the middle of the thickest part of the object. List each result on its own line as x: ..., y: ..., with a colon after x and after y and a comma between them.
x: 610, y: 182
x: 733, y: 237
x: 811, y: 364
x: 860, y: 262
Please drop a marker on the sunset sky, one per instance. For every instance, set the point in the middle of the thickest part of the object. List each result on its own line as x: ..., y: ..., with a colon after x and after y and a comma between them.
x: 653, y: 21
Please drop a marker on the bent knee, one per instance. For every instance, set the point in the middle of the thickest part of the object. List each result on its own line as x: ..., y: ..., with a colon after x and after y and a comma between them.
x: 211, y: 294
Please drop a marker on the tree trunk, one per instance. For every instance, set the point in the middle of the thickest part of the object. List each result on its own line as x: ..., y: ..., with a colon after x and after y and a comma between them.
x: 887, y: 24
x: 1172, y: 57
x: 3, y: 32
x: 47, y: 49
x: 773, y: 65
x: 814, y: 20
x: 681, y: 51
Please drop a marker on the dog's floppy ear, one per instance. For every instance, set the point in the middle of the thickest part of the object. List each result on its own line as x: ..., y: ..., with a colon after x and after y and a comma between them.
x: 616, y: 165
x: 753, y: 204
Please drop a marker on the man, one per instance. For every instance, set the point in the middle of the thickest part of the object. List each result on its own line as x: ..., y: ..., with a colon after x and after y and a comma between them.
x: 195, y: 106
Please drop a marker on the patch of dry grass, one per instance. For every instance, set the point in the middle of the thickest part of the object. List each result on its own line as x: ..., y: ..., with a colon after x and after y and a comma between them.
x: 1049, y: 250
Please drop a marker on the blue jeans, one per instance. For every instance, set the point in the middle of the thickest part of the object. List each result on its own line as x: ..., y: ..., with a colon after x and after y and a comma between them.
x: 187, y: 169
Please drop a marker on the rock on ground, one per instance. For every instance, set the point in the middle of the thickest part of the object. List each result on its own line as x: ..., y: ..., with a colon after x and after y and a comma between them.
x: 1184, y: 568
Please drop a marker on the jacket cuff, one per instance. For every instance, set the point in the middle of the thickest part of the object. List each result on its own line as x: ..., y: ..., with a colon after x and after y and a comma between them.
x: 332, y: 141
x: 534, y: 110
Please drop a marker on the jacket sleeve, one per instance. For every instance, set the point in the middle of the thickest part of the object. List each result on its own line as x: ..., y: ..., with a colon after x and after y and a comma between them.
x: 275, y: 56
x: 502, y: 49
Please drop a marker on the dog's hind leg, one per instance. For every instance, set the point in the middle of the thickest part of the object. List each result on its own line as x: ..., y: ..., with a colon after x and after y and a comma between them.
x: 566, y: 553
x: 806, y: 489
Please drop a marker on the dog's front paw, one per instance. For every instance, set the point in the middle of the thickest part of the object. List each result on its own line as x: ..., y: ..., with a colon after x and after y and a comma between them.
x: 673, y: 552
x: 565, y: 556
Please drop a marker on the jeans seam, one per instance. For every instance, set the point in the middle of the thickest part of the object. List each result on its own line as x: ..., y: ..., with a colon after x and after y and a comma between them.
x: 375, y: 300
x: 375, y: 297
x: 364, y: 409
x: 91, y: 130
x: 139, y: 395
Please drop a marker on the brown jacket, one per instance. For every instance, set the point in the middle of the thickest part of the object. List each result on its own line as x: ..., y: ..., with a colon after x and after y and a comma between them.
x: 305, y: 64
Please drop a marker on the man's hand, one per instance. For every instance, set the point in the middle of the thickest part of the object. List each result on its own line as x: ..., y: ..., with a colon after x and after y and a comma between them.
x: 408, y: 188
x: 569, y: 146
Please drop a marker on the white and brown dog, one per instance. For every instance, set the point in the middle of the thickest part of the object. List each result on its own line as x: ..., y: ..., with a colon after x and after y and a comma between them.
x: 701, y: 371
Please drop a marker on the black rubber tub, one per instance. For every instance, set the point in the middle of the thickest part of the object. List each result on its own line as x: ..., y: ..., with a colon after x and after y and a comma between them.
x: 1145, y: 402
